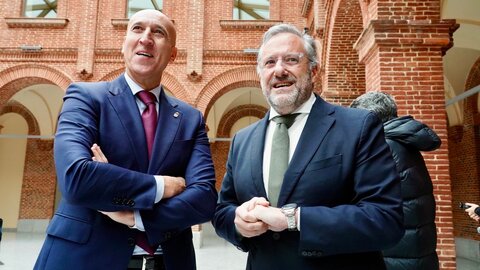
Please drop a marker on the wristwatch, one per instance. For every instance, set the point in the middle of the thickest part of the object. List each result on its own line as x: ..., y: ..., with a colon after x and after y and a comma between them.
x: 289, y: 211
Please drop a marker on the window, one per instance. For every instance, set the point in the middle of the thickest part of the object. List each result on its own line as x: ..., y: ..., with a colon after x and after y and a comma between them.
x: 40, y: 8
x: 137, y: 5
x: 251, y: 9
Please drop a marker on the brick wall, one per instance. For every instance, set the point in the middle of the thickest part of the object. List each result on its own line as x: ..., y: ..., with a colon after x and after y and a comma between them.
x: 402, y: 48
x: 465, y: 159
x: 399, y: 45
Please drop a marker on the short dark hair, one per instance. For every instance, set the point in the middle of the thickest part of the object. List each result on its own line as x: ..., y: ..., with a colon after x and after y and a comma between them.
x: 380, y: 103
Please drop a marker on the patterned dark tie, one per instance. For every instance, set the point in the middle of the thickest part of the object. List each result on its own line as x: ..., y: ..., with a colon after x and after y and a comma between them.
x: 149, y: 119
x: 279, y: 156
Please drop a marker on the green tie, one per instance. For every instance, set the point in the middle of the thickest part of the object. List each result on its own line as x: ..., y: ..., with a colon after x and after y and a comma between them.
x: 279, y: 156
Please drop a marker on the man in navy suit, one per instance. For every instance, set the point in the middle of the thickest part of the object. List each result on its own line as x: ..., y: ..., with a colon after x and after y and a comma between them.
x: 152, y: 189
x: 339, y: 200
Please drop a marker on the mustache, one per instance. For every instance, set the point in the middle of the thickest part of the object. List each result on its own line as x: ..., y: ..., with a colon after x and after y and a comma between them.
x: 283, y: 79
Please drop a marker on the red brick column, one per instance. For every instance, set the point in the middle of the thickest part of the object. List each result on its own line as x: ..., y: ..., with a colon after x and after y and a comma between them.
x: 86, y: 39
x: 404, y: 58
x: 195, y: 42
x: 39, y: 181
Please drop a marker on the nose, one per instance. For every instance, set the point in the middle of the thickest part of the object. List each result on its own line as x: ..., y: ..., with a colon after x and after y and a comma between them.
x: 279, y: 70
x: 146, y: 38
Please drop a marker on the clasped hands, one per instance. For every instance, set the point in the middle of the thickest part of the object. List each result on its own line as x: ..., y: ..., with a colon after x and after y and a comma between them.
x: 471, y: 211
x: 172, y: 187
x: 256, y: 216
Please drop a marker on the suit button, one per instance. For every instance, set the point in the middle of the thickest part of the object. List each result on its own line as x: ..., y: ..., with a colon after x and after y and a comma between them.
x: 131, y: 242
x: 304, y: 253
x: 276, y: 236
x: 309, y: 254
x: 319, y: 254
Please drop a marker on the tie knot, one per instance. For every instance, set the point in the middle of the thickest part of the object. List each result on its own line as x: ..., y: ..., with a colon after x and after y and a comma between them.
x: 286, y: 119
x: 146, y: 97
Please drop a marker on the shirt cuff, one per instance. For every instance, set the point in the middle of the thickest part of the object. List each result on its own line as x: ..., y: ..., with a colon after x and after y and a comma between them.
x: 158, y: 196
x: 160, y: 187
x: 298, y: 218
x: 138, y: 221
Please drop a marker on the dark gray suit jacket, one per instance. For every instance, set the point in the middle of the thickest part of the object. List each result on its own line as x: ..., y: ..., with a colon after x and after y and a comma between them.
x: 343, y: 177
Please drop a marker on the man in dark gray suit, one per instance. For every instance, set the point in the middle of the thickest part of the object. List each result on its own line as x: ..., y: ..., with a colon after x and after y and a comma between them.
x: 311, y: 185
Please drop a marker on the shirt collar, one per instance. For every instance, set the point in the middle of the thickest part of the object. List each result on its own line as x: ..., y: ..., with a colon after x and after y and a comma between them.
x: 305, y: 108
x: 135, y: 88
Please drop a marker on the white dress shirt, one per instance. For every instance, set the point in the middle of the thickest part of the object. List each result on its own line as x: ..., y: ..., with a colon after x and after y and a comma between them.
x: 294, y: 133
x: 135, y: 88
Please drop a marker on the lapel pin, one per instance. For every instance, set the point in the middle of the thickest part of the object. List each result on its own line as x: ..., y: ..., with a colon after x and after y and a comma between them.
x: 176, y: 114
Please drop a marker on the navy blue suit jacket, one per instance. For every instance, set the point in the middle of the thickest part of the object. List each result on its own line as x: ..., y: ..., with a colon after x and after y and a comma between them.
x: 343, y: 177
x: 80, y: 237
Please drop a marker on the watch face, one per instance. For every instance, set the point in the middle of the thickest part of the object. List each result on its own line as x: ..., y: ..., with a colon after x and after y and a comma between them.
x: 289, y: 209
x: 289, y: 206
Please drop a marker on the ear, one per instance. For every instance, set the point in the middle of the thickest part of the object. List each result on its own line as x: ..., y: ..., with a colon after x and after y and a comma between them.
x: 314, y: 71
x: 173, y: 55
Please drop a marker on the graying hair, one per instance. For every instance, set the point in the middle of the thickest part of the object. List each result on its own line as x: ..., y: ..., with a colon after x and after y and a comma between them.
x: 308, y: 43
x: 380, y: 103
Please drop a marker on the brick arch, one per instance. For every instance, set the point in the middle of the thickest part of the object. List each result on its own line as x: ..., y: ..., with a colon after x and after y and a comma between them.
x: 473, y: 79
x: 168, y: 80
x: 112, y: 75
x: 26, y: 75
x: 343, y: 77
x: 13, y: 106
x: 223, y: 83
x: 232, y: 116
x: 19, y: 77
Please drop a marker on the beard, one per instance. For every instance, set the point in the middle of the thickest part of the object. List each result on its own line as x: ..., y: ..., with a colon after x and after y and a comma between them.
x: 285, y: 102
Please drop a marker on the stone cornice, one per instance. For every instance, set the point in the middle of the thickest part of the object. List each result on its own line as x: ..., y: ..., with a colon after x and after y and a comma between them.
x: 120, y: 23
x: 25, y: 22
x: 435, y: 33
x: 229, y: 57
x: 44, y: 55
x: 248, y: 24
x: 115, y: 56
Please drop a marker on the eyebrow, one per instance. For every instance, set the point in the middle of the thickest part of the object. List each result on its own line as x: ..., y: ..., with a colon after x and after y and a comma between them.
x: 156, y: 26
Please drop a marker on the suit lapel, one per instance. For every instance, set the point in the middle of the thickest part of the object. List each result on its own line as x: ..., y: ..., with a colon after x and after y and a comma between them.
x: 318, y: 123
x: 168, y: 122
x: 256, y: 155
x: 124, y: 104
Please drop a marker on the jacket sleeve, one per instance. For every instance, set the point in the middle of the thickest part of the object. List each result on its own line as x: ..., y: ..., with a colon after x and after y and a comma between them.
x: 110, y: 187
x: 196, y: 204
x: 83, y: 182
x: 223, y: 220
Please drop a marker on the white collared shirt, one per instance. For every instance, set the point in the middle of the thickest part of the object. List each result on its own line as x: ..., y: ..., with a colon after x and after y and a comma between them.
x: 294, y: 133
x: 135, y: 88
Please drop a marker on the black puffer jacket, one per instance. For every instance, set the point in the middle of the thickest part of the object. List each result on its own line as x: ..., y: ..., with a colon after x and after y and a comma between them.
x: 416, y: 250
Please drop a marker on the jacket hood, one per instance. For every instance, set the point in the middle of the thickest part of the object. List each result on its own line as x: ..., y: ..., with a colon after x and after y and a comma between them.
x: 412, y: 133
